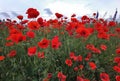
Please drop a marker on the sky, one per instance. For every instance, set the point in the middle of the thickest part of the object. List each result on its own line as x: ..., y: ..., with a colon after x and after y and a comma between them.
x: 65, y: 7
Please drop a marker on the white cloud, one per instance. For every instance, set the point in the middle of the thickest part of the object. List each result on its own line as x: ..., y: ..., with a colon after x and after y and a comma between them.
x: 68, y: 9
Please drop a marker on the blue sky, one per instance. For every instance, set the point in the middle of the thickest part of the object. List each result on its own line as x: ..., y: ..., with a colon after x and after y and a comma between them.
x: 66, y: 7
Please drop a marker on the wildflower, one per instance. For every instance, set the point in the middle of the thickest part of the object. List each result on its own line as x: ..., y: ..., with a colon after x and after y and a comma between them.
x: 58, y: 15
x: 20, y: 17
x: 12, y: 53
x: 118, y: 51
x: 2, y: 58
x: 44, y: 43
x: 32, y: 50
x: 117, y: 77
x: 83, y: 32
x: 103, y: 47
x: 32, y: 13
x: 61, y: 76
x: 33, y: 25
x: 68, y: 62
x: 104, y: 77
x: 41, y: 55
x: 92, y: 65
x: 79, y: 78
x: 117, y: 69
x: 55, y: 42
x: 30, y: 34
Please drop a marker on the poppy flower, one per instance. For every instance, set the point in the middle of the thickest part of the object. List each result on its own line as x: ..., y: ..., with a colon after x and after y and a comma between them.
x: 40, y: 21
x: 20, y: 17
x: 32, y: 13
x: 81, y: 66
x: 61, y: 76
x: 44, y: 43
x: 30, y: 34
x: 68, y: 62
x: 117, y: 69
x: 16, y: 38
x: 92, y: 65
x: 75, y: 68
x: 49, y: 75
x: 32, y: 50
x: 33, y: 25
x: 79, y: 78
x: 55, y: 42
x: 73, y: 15
x: 117, y: 59
x: 58, y: 15
x: 72, y: 55
x: 79, y: 58
x: 104, y: 77
x: 118, y: 51
x: 12, y: 53
x: 41, y: 55
x: 117, y: 77
x: 2, y: 58
x: 24, y: 21
x: 103, y: 47
x: 9, y: 44
x: 83, y: 32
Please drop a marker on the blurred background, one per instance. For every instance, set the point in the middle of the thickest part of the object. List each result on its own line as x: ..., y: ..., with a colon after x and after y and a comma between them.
x: 47, y: 8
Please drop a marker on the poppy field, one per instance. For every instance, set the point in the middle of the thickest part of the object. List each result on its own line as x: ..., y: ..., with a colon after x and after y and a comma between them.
x: 59, y: 49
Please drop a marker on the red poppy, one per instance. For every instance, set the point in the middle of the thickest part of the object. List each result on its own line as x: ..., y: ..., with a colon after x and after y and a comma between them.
x: 41, y: 55
x: 32, y: 50
x: 44, y: 43
x: 75, y: 68
x: 103, y: 35
x: 32, y: 13
x: 55, y: 42
x: 40, y: 21
x: 68, y: 62
x: 79, y: 78
x: 117, y: 30
x: 89, y: 55
x: 49, y: 75
x: 9, y: 44
x: 20, y: 27
x: 90, y: 46
x: 84, y: 17
x: 12, y: 53
x: 117, y: 59
x: 58, y: 15
x: 118, y: 51
x: 112, y: 23
x: 117, y: 69
x: 72, y: 55
x: 33, y: 25
x: 17, y: 38
x: 104, y: 77
x: 20, y: 17
x: 117, y: 78
x: 96, y: 50
x: 24, y: 21
x: 103, y: 47
x: 73, y: 15
x: 30, y: 34
x: 2, y: 58
x: 92, y: 65
x: 81, y: 66
x: 83, y: 32
x: 61, y: 76
x: 79, y: 58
